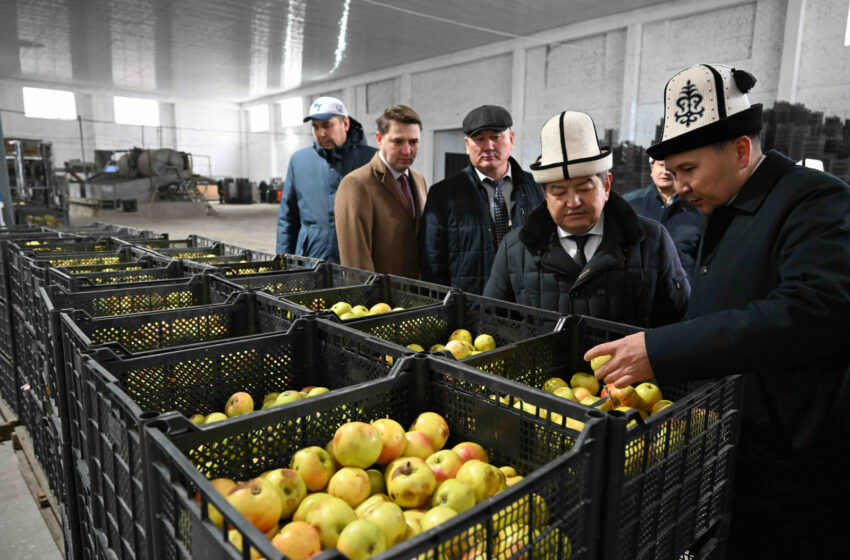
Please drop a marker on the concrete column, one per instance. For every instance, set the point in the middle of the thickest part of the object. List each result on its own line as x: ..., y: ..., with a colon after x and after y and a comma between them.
x: 5, y: 193
x: 406, y: 89
x: 518, y: 100
x: 631, y: 73
x: 792, y: 46
x: 274, y: 130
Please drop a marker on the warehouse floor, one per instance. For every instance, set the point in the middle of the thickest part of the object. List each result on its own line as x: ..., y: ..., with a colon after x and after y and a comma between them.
x: 23, y: 533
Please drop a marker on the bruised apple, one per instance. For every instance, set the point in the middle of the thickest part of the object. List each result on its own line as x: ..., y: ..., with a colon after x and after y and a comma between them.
x: 258, y: 501
x: 298, y: 540
x: 410, y: 482
x: 290, y: 487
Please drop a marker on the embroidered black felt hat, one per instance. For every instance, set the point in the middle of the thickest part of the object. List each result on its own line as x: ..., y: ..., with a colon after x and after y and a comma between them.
x: 706, y: 104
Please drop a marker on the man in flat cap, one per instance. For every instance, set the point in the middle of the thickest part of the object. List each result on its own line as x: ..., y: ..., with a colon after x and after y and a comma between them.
x: 585, y: 251
x: 305, y: 224
x: 771, y: 301
x: 468, y: 214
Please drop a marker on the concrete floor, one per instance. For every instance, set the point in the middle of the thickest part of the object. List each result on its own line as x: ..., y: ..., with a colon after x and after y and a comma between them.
x: 23, y: 533
x: 253, y: 226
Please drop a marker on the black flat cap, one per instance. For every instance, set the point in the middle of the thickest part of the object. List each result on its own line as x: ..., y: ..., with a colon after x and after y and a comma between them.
x: 486, y: 117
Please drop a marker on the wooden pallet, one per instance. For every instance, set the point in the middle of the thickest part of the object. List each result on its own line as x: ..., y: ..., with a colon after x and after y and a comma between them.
x: 36, y: 482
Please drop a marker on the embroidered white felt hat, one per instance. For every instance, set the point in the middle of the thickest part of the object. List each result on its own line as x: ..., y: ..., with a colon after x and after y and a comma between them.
x: 570, y: 148
x: 706, y: 104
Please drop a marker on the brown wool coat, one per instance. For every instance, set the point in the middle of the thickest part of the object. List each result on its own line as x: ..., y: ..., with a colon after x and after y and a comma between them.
x: 374, y: 229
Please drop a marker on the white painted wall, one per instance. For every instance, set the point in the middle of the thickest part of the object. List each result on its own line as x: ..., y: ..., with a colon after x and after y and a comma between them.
x: 591, y: 67
x: 194, y: 126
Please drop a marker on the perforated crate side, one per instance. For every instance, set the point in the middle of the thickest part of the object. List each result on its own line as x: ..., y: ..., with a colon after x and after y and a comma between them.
x: 505, y: 322
x: 123, y: 393
x: 561, y: 468
x: 9, y: 383
x: 324, y: 276
x: 76, y: 278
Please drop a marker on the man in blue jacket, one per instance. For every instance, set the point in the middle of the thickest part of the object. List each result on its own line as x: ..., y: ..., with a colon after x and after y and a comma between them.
x: 660, y: 202
x: 469, y: 213
x: 305, y: 225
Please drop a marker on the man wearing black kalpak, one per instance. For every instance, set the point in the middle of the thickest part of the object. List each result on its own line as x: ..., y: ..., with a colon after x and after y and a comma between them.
x: 770, y: 300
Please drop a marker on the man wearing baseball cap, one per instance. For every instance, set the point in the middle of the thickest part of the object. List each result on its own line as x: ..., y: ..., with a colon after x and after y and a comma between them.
x: 469, y: 213
x: 306, y: 225
x: 771, y: 301
x: 585, y: 251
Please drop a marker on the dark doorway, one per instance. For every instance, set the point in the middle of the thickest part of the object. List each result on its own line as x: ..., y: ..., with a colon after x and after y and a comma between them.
x: 455, y: 163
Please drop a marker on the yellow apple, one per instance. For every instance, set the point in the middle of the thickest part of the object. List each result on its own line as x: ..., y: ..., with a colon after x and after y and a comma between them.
x: 589, y: 382
x: 484, y: 343
x: 598, y: 361
x: 553, y: 383
x: 462, y: 335
x: 379, y: 308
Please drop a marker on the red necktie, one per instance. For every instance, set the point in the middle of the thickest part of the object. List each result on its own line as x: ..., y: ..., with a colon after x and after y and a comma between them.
x: 405, y: 189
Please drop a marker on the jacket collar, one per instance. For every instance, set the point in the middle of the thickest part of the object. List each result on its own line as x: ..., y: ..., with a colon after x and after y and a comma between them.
x: 760, y: 183
x: 538, y: 228
x: 355, y: 137
x: 519, y: 178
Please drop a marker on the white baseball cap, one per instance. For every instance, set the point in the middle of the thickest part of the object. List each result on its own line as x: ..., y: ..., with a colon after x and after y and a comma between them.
x: 324, y: 108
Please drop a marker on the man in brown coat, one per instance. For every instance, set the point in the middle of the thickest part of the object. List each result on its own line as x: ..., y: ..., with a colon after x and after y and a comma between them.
x: 378, y: 206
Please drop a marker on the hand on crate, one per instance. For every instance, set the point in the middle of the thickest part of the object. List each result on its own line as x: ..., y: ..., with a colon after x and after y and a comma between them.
x: 629, y: 361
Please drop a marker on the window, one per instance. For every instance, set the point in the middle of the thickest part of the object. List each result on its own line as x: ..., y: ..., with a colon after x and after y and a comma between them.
x: 132, y: 110
x: 49, y: 104
x: 291, y: 111
x: 258, y: 118
x: 847, y: 32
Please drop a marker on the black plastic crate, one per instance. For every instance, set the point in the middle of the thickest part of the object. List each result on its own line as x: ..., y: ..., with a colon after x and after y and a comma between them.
x: 395, y: 291
x: 197, y: 246
x: 6, y: 338
x: 505, y: 322
x: 122, y: 393
x: 45, y: 435
x: 238, y: 267
x: 669, y: 476
x: 9, y: 383
x: 324, y: 276
x: 146, y: 269
x: 562, y: 468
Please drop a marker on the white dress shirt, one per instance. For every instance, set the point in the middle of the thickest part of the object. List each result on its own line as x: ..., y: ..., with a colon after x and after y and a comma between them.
x: 592, y: 244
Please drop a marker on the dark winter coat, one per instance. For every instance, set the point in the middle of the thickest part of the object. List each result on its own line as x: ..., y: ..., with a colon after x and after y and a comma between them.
x: 771, y: 300
x: 306, y: 225
x: 683, y: 221
x: 634, y: 276
x: 457, y: 241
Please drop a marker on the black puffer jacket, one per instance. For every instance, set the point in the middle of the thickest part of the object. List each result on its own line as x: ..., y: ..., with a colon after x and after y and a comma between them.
x: 634, y: 276
x: 457, y: 236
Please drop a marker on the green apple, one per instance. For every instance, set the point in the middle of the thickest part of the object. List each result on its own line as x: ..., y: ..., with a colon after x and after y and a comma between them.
x: 470, y: 450
x: 435, y: 516
x: 198, y: 419
x: 346, y: 316
x: 376, y: 482
x: 351, y: 485
x: 415, y: 348
x: 484, y: 343
x: 238, y: 404
x: 340, y: 308
x: 317, y: 391
x: 410, y: 482
x: 390, y: 518
x: 484, y: 479
x: 357, y: 444
x: 369, y: 504
x: 437, y: 348
x: 329, y: 517
x: 455, y: 494
x: 314, y: 465
x: 224, y: 486
x: 565, y: 393
x: 361, y: 539
x: 398, y: 308
x: 444, y: 464
x: 598, y: 361
x: 360, y: 310
x: 553, y: 383
x: 649, y: 395
x: 215, y: 417
x: 288, y: 397
x: 585, y: 380
x: 307, y: 504
x: 461, y: 334
x: 379, y: 308
x: 418, y: 445
x: 659, y: 406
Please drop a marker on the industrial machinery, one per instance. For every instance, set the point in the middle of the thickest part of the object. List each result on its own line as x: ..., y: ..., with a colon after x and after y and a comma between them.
x: 36, y: 196
x: 126, y: 176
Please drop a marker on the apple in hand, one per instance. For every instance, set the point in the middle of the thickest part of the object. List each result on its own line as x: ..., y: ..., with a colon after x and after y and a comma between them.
x: 390, y: 518
x: 258, y: 501
x: 290, y: 487
x: 392, y: 440
x: 444, y: 464
x: 410, y: 481
x: 361, y: 539
x: 434, y: 426
x: 298, y: 540
x: 239, y: 404
x: 469, y: 450
x: 329, y: 516
x: 350, y: 484
x: 455, y: 494
x: 418, y: 445
x: 314, y: 465
x: 484, y: 479
x: 357, y: 444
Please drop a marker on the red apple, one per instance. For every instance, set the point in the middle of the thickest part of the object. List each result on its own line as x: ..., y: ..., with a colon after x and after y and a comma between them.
x: 239, y: 404
x: 258, y: 501
x: 392, y: 440
x: 434, y: 426
x: 418, y: 445
x: 444, y: 464
x: 469, y: 450
x: 298, y: 540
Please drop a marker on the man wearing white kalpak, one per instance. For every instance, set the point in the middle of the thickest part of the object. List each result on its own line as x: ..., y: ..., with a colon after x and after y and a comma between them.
x: 770, y: 300
x: 584, y: 250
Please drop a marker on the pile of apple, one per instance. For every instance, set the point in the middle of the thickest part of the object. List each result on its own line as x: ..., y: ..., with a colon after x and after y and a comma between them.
x: 375, y: 485
x: 242, y: 403
x: 345, y: 311
x: 583, y: 388
x: 461, y: 345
